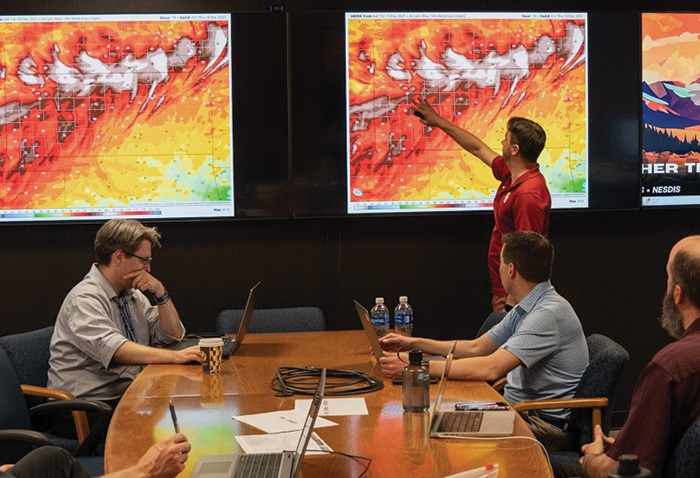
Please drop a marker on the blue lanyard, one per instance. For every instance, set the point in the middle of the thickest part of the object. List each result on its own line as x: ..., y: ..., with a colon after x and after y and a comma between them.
x: 125, y: 315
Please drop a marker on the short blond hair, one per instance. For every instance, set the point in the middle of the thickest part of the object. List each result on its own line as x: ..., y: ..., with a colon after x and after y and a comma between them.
x: 122, y: 234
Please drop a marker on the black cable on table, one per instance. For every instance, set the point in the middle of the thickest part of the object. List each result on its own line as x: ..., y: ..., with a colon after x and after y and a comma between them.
x: 304, y: 381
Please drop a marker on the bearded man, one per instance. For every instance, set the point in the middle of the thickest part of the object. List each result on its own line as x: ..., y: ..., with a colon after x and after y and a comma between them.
x: 666, y: 400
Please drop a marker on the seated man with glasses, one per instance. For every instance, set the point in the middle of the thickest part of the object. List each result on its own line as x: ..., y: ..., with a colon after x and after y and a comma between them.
x: 107, y: 328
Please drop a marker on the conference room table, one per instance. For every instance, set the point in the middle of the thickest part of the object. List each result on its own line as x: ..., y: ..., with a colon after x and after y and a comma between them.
x: 397, y: 442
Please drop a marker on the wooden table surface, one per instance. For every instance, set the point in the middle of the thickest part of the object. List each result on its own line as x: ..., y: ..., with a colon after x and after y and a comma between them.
x: 397, y: 442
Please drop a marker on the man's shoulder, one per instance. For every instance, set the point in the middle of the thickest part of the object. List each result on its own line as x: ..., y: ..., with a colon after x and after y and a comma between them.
x: 88, y: 286
x: 552, y: 307
x: 500, y: 168
x: 679, y: 358
x: 552, y: 298
x: 88, y: 290
x: 546, y: 297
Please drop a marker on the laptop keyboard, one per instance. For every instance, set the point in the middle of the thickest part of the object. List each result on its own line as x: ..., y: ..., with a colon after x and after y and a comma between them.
x: 260, y: 465
x: 460, y: 422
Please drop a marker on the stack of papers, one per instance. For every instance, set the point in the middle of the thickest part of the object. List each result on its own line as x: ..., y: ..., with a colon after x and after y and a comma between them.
x: 285, y: 425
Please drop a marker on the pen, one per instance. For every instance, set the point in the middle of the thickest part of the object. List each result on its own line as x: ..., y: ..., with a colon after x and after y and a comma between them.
x: 174, y: 416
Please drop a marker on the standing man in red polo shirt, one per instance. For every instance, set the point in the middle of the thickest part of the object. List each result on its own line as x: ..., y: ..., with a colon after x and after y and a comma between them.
x: 522, y: 201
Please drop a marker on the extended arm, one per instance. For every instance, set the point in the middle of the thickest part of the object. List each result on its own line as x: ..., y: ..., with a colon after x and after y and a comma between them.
x: 483, y: 359
x: 464, y: 138
x: 131, y: 353
x: 491, y: 367
x: 465, y: 348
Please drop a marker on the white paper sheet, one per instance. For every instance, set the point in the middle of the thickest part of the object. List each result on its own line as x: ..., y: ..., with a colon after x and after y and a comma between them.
x: 335, y: 407
x: 279, y: 442
x: 282, y: 421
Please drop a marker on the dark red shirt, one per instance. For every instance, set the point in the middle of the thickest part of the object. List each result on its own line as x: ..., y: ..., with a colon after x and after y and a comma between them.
x: 665, y: 402
x: 520, y: 206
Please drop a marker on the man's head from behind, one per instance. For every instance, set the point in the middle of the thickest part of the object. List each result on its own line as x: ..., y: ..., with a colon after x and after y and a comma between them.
x: 682, y: 298
x: 528, y: 135
x: 124, y: 235
x: 530, y: 254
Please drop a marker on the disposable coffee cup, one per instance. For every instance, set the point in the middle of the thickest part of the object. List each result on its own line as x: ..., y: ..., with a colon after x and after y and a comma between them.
x: 212, y: 351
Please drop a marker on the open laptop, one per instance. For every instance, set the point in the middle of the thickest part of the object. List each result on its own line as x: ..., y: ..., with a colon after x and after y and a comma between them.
x: 268, y: 465
x: 369, y: 330
x: 476, y: 423
x: 230, y: 345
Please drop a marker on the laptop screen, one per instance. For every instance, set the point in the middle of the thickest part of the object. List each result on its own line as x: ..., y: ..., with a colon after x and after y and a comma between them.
x: 309, y: 423
x: 443, y: 379
x: 247, y: 313
x: 369, y: 330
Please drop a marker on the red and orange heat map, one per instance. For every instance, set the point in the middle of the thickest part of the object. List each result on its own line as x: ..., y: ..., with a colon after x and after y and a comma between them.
x: 114, y: 113
x: 476, y: 72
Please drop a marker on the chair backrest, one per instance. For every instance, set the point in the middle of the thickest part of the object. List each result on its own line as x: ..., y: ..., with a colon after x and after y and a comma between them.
x: 494, y: 318
x: 29, y: 356
x: 607, y: 358
x: 685, y: 461
x: 292, y: 319
x: 14, y: 413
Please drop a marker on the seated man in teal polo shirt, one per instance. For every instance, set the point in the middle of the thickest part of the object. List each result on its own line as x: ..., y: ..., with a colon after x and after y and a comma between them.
x: 539, y: 344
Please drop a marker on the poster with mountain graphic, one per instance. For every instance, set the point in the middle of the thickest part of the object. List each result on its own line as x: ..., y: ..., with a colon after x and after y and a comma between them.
x: 670, y: 157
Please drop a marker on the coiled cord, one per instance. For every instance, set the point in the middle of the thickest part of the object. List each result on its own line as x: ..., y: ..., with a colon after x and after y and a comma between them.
x: 304, y: 381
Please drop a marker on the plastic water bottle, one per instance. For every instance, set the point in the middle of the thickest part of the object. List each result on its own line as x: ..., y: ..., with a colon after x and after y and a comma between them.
x: 380, y: 317
x: 416, y: 383
x: 403, y: 317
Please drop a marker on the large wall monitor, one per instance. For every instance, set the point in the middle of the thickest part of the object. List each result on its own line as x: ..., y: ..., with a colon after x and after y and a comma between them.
x: 670, y: 159
x: 115, y: 115
x: 477, y: 70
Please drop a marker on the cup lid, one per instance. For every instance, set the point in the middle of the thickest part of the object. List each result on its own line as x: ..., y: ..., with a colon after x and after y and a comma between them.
x: 211, y: 342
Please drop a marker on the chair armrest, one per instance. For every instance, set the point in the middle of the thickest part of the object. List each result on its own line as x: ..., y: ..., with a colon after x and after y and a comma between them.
x: 98, y: 430
x: 499, y: 384
x: 25, y: 436
x: 594, y: 403
x: 82, y: 427
x: 47, y: 392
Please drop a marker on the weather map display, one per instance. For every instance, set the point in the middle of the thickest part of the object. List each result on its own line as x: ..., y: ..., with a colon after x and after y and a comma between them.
x: 670, y: 159
x: 477, y: 70
x: 115, y: 115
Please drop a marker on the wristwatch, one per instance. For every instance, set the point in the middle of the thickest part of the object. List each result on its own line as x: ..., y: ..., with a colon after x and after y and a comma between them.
x: 163, y: 298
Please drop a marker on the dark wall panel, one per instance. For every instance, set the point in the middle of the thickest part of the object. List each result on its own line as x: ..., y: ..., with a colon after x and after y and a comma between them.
x: 609, y: 265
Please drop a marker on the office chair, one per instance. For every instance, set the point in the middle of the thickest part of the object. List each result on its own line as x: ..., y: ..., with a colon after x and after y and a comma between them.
x: 494, y: 318
x: 593, y: 401
x: 27, y: 355
x: 15, y: 421
x: 685, y: 461
x: 292, y: 319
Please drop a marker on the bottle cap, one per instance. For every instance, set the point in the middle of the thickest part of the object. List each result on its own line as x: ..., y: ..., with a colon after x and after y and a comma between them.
x: 628, y: 465
x: 403, y: 298
x: 415, y: 357
x: 379, y: 300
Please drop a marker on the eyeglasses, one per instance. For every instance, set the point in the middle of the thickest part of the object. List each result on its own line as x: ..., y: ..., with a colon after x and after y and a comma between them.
x: 145, y: 260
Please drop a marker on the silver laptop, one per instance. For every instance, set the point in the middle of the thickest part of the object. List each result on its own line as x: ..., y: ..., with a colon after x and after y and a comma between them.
x: 230, y: 345
x: 247, y: 313
x: 476, y: 423
x: 264, y: 465
x: 369, y: 330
